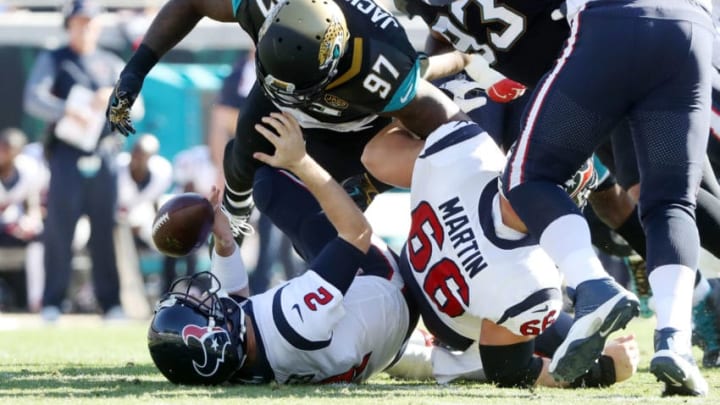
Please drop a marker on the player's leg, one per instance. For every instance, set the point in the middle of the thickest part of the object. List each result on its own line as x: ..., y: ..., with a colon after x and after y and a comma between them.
x: 64, y: 205
x: 239, y: 165
x: 670, y: 126
x: 291, y: 207
x: 568, y: 117
x: 100, y: 204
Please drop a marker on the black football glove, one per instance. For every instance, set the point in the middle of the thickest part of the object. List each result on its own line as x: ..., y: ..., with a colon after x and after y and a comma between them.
x: 121, y: 101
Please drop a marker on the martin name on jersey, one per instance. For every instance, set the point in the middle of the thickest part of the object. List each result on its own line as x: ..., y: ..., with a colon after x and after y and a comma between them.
x: 460, y: 261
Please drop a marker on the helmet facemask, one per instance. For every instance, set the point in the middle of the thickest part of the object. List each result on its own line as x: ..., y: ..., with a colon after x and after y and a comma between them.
x: 296, y: 36
x: 198, y: 333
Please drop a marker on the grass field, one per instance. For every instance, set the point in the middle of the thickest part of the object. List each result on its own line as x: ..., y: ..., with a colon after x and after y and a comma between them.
x: 82, y: 361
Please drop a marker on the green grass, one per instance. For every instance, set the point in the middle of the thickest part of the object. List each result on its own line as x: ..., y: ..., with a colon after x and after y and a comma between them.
x: 92, y: 363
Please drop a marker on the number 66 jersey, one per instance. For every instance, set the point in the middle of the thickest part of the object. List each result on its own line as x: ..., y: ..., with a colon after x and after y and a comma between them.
x: 460, y: 262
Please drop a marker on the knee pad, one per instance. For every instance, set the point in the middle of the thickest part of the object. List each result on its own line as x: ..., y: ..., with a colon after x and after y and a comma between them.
x: 511, y: 365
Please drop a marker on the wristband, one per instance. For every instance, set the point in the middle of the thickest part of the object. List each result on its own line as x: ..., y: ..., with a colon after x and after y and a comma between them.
x: 230, y: 271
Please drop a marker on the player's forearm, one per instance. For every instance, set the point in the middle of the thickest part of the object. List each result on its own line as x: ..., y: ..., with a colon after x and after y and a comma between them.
x: 172, y: 23
x: 177, y: 18
x: 444, y: 61
x: 340, y: 209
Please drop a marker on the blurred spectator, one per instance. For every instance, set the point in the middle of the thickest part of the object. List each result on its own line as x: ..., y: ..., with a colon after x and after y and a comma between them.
x: 235, y: 88
x: 68, y: 87
x: 274, y: 247
x: 143, y: 177
x: 192, y: 171
x: 22, y: 180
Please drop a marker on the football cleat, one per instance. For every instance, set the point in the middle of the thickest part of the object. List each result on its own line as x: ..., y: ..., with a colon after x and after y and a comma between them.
x: 673, y: 364
x: 239, y: 221
x: 601, y: 307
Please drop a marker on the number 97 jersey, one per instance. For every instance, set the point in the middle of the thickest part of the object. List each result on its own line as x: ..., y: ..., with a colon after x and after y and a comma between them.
x: 461, y: 263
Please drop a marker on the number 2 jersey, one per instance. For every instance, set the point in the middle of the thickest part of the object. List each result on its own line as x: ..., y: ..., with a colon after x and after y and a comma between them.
x: 519, y: 38
x: 308, y: 332
x: 461, y: 263
x: 377, y: 73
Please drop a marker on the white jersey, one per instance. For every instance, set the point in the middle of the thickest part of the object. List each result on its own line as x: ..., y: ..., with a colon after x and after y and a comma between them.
x: 195, y: 167
x: 130, y: 194
x: 32, y: 177
x: 312, y: 334
x: 465, y: 263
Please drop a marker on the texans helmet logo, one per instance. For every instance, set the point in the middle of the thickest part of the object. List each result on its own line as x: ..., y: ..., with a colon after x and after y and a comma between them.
x: 215, y: 339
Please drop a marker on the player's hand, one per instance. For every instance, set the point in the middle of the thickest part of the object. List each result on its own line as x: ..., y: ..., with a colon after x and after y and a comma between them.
x: 505, y: 90
x: 121, y: 101
x: 625, y: 354
x: 224, y: 242
x: 284, y: 132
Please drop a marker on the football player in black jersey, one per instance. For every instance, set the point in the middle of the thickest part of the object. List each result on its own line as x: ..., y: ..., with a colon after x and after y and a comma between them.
x: 344, y: 70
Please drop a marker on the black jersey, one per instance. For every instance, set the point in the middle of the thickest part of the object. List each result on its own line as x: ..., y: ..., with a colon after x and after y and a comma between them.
x: 378, y: 72
x: 517, y: 37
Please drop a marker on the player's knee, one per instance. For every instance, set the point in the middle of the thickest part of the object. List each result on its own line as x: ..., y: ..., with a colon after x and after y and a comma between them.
x: 511, y: 365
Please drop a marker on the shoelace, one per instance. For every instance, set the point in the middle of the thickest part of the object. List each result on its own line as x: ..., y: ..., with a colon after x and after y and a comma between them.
x: 239, y: 224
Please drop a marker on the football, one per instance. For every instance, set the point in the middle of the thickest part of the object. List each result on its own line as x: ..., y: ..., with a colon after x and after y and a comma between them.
x: 182, y: 224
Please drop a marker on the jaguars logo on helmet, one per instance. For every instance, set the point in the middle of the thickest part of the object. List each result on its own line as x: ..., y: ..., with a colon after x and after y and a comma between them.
x: 299, y: 48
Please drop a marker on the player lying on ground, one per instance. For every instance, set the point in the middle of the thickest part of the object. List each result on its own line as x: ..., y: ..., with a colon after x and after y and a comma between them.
x: 424, y: 359
x: 477, y: 277
x: 326, y: 325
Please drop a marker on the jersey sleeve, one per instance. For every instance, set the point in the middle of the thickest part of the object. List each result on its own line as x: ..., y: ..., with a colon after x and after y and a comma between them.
x: 393, y: 72
x: 250, y: 14
x: 306, y: 310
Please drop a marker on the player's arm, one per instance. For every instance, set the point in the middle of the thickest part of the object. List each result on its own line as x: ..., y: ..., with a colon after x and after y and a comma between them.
x: 443, y: 60
x: 227, y: 264
x: 172, y: 23
x: 390, y: 155
x: 446, y: 61
x: 427, y: 110
x: 284, y: 132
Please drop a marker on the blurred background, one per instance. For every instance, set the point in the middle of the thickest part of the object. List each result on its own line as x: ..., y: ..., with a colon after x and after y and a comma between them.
x: 191, y: 100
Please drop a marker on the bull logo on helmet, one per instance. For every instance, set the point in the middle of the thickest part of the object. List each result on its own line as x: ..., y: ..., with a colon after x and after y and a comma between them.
x: 215, y: 339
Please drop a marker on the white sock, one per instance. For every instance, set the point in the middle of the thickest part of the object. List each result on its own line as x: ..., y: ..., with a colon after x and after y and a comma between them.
x: 672, y: 286
x: 702, y: 289
x: 567, y: 241
x: 35, y: 274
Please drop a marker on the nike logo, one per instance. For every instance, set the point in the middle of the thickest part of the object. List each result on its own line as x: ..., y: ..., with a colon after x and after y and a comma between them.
x: 604, y: 333
x: 543, y: 309
x: 404, y: 98
x: 297, y: 307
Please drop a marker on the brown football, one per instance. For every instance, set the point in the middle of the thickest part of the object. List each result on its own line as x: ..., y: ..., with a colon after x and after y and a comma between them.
x: 182, y: 224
